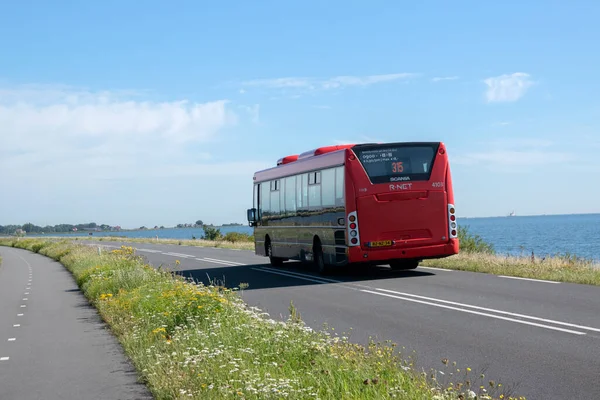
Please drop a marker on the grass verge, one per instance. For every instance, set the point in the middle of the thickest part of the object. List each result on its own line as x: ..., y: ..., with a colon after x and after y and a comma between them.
x: 189, y: 340
x: 244, y: 243
x: 478, y: 256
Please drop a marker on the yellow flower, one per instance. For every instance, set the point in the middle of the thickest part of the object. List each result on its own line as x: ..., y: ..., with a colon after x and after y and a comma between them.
x: 177, y: 262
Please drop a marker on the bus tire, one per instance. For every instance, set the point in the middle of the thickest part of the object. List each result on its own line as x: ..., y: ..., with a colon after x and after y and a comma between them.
x: 403, y: 265
x: 275, y: 261
x: 319, y: 259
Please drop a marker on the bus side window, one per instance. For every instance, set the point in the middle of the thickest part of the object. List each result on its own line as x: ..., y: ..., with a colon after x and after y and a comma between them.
x: 304, y: 193
x: 265, y: 199
x: 256, y: 199
x: 299, y: 203
x: 275, y: 204
x: 290, y: 196
x: 314, y: 191
x: 328, y: 187
x: 339, y: 186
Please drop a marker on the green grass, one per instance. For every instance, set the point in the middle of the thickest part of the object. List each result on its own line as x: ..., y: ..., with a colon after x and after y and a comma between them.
x: 238, y: 241
x: 188, y: 340
x: 478, y: 256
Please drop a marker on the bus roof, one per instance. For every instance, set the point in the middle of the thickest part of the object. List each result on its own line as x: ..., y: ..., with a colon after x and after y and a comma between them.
x: 321, y: 157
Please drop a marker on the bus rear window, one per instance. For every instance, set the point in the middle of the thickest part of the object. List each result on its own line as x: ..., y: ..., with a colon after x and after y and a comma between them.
x: 396, y: 163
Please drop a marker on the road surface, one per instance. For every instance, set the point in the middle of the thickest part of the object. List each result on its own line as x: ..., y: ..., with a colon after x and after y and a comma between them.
x: 543, y: 336
x: 53, y: 345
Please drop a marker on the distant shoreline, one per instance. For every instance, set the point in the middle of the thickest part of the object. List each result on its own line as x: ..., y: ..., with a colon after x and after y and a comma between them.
x: 532, y: 216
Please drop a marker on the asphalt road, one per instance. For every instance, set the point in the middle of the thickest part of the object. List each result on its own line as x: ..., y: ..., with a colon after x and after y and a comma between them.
x: 53, y: 344
x: 542, y: 336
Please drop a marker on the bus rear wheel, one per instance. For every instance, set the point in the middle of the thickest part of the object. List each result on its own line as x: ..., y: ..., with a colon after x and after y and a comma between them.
x: 403, y: 265
x: 275, y: 261
x: 319, y: 259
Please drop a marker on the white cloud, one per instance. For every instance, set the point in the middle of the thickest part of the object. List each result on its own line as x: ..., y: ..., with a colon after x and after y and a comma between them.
x: 326, y: 83
x: 444, y: 78
x: 508, y: 87
x: 58, y: 130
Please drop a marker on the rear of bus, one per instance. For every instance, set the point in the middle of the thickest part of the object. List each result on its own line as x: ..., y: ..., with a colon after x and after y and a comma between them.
x: 400, y: 204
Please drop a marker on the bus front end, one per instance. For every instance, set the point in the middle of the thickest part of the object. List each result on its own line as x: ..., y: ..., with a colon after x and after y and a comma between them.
x: 400, y: 204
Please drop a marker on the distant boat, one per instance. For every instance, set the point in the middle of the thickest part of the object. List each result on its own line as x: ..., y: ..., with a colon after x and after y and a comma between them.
x: 512, y: 213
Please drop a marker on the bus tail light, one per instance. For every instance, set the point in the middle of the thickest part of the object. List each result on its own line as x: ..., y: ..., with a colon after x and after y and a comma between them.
x: 353, y: 237
x: 452, y: 225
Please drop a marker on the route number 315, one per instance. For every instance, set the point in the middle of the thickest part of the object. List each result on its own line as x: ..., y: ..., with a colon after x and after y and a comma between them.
x: 397, y: 167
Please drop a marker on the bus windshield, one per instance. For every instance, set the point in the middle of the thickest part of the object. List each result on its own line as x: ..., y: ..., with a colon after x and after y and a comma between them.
x: 397, y: 162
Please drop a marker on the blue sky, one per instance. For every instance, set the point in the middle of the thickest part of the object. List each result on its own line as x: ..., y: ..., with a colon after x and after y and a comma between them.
x: 147, y: 113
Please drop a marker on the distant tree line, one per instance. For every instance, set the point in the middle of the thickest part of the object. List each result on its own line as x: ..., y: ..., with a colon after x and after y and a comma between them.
x: 91, y: 226
x: 60, y: 228
x: 200, y: 224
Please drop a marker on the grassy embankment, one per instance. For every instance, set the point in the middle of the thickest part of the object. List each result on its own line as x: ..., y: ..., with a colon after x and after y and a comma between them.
x: 479, y: 256
x: 188, y: 340
x: 213, y: 238
x: 476, y: 256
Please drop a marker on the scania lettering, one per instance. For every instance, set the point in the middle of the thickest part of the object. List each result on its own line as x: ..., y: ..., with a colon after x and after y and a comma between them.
x: 345, y: 204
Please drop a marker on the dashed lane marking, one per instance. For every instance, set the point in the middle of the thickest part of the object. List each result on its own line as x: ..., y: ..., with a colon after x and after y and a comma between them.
x: 528, y: 279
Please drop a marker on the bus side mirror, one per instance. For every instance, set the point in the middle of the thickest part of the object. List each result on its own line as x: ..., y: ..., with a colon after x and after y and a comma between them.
x: 252, y: 216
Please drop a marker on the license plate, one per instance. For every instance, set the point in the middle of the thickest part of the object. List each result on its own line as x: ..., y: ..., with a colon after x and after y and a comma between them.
x: 380, y: 243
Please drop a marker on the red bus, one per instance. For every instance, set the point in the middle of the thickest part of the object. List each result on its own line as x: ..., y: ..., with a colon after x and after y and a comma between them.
x: 378, y: 204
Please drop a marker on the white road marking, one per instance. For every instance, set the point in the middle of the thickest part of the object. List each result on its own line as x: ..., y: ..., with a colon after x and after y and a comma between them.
x: 12, y: 339
x: 23, y: 306
x: 19, y: 315
x: 349, y: 285
x: 16, y: 325
x: 29, y: 265
x: 528, y: 279
x: 178, y: 255
x: 4, y: 358
x: 411, y: 297
x: 298, y: 274
x: 437, y: 269
x: 24, y: 298
x: 494, y: 310
x: 26, y: 292
x: 317, y: 280
x: 477, y: 313
x: 217, y: 260
x: 149, y: 250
